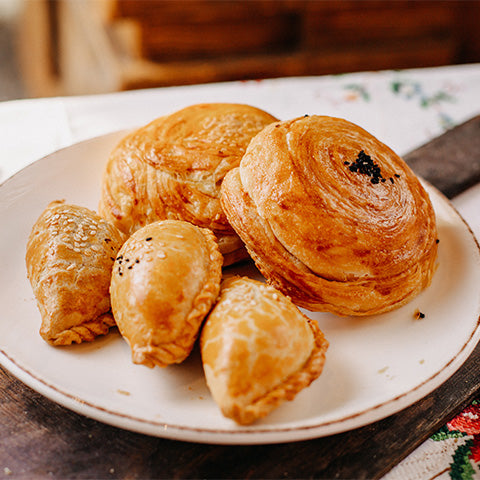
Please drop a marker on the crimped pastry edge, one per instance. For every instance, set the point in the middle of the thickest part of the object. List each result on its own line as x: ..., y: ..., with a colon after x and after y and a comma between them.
x: 151, y: 355
x: 289, y: 388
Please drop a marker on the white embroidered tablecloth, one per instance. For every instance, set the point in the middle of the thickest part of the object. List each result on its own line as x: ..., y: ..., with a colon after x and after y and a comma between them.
x: 404, y: 109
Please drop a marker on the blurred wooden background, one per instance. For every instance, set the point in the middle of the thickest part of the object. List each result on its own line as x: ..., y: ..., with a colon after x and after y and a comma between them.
x: 93, y: 46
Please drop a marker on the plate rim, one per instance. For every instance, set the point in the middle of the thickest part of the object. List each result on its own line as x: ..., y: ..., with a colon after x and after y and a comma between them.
x: 240, y: 435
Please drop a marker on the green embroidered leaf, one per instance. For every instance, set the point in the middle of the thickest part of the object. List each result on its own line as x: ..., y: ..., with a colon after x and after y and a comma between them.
x: 461, y: 468
x: 444, y: 433
x: 396, y: 86
x: 359, y: 89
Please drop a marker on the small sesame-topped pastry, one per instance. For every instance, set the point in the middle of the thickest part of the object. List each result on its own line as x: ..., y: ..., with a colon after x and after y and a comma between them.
x: 69, y: 259
x: 332, y: 216
x: 173, y: 167
x: 258, y: 350
x: 165, y: 280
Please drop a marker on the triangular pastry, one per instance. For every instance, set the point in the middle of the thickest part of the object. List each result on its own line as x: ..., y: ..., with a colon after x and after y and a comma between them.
x: 69, y: 259
x: 258, y: 350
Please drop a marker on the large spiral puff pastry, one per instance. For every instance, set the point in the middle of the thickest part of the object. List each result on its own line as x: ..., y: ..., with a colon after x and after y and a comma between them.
x: 173, y: 167
x: 333, y: 217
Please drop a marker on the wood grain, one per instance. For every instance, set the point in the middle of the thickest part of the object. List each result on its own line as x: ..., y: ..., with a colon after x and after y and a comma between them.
x: 39, y: 439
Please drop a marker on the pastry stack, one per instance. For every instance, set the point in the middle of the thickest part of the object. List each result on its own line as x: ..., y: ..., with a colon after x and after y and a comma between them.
x: 333, y: 219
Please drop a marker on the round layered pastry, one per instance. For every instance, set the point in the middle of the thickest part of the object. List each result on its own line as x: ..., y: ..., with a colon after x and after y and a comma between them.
x: 332, y: 216
x: 173, y: 167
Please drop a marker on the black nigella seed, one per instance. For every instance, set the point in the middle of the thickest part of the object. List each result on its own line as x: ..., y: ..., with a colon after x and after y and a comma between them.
x: 365, y: 165
x: 148, y: 239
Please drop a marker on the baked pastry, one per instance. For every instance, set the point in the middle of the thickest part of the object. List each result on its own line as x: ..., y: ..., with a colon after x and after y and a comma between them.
x: 165, y: 280
x: 258, y: 350
x: 69, y: 259
x: 332, y: 216
x: 172, y: 168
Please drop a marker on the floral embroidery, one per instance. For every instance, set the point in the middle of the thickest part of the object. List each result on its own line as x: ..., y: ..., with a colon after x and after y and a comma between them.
x: 356, y: 91
x: 410, y: 89
x: 466, y: 457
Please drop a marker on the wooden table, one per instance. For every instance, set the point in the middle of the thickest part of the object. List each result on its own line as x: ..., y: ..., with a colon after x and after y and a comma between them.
x: 40, y: 439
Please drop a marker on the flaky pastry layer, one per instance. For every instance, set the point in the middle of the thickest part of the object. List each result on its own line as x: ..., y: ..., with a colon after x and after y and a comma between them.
x: 172, y: 168
x: 332, y: 216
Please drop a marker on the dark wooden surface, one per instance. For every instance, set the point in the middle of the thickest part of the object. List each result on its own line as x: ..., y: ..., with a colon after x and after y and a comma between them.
x: 451, y: 161
x: 40, y: 439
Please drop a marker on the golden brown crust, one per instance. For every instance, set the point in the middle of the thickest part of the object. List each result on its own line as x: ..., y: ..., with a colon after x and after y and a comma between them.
x: 172, y: 168
x: 323, y: 232
x: 165, y: 280
x: 258, y: 350
x: 69, y: 259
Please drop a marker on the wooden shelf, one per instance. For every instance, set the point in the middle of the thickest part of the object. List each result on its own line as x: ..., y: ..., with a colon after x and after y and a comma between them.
x: 93, y: 46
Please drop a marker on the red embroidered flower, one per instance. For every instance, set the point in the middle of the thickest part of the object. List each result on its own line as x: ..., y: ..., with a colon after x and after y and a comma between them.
x: 468, y: 421
x: 475, y: 451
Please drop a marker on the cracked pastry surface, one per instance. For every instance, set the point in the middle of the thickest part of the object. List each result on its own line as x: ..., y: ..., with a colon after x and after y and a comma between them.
x: 172, y: 168
x: 332, y: 216
x: 165, y: 279
x: 69, y: 259
x: 258, y: 350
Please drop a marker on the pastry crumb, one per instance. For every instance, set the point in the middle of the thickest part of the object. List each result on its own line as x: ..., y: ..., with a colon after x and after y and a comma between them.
x: 124, y: 392
x: 7, y: 471
x: 418, y: 315
x: 383, y: 370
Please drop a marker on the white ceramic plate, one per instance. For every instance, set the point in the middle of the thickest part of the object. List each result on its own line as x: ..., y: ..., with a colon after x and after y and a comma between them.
x: 375, y: 366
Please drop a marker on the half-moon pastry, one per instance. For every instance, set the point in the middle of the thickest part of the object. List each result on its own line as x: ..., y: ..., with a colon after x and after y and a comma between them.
x: 69, y: 259
x: 172, y: 168
x: 165, y: 280
x: 332, y: 216
x: 258, y: 350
